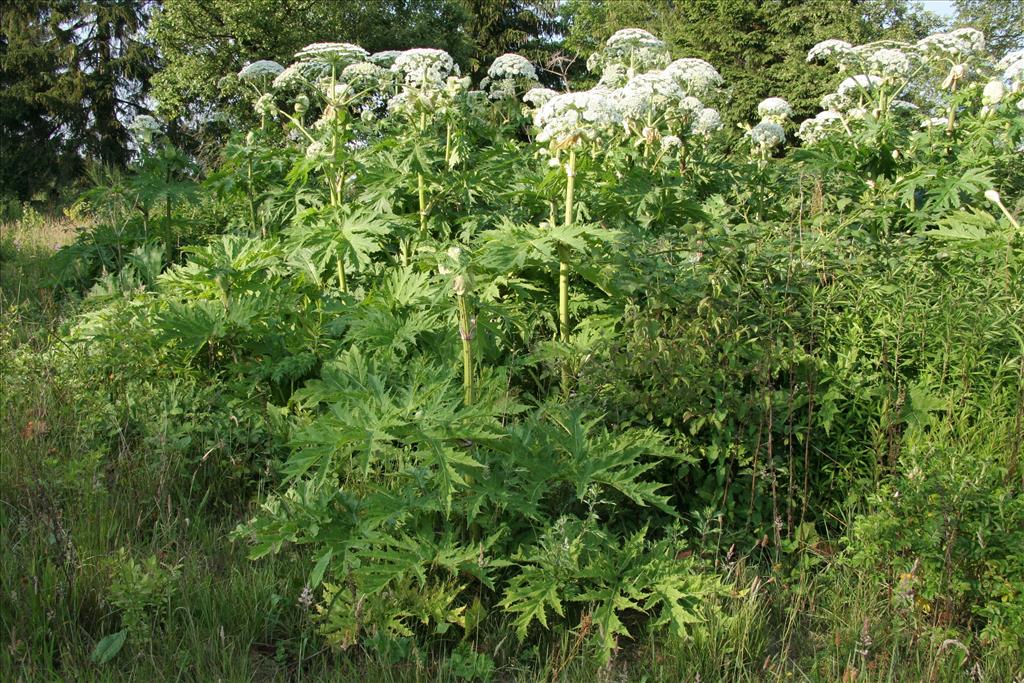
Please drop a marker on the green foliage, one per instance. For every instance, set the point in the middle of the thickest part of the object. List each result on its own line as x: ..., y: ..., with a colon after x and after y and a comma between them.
x: 140, y: 591
x: 343, y: 343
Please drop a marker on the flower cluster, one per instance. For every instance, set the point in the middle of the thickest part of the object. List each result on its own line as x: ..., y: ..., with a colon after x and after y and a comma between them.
x: 828, y: 48
x: 766, y: 136
x: 694, y: 76
x: 957, y: 45
x: 888, y: 63
x: 509, y: 75
x: 775, y: 109
x: 260, y: 70
x: 769, y: 133
x: 1012, y: 67
x: 299, y: 75
x: 816, y: 129
x: 572, y: 118
x: 628, y: 52
x: 708, y: 121
x: 860, y: 83
x: 425, y: 68
x: 365, y: 76
x: 336, y: 55
x: 647, y: 97
x: 385, y: 58
x: 537, y: 97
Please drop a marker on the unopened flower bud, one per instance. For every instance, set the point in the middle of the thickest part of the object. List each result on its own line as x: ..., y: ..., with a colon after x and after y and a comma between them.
x: 993, y: 197
x: 993, y: 93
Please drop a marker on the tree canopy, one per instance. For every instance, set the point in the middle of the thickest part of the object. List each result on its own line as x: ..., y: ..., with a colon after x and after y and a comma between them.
x: 70, y: 73
x: 1002, y: 21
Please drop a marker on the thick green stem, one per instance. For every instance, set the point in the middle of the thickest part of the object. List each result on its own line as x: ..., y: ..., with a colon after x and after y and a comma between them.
x: 447, y: 143
x: 951, y: 121
x: 421, y: 187
x: 563, y: 253
x: 252, y: 203
x: 563, y: 265
x: 335, y: 185
x: 342, y: 281
x: 466, y: 333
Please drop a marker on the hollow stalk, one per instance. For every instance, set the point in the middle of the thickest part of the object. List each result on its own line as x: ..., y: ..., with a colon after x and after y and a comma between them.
x: 466, y: 333
x: 563, y: 263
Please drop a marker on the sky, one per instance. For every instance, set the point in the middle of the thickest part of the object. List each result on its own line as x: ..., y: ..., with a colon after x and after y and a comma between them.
x: 944, y: 8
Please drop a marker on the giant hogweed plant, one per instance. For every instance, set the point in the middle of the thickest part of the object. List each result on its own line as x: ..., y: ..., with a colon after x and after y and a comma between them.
x: 421, y: 270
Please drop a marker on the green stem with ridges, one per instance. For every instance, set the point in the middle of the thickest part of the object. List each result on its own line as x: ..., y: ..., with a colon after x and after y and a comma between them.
x: 466, y: 333
x: 563, y: 265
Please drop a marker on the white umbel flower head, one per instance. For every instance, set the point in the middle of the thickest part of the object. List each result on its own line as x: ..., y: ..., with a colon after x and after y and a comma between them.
x: 775, y: 109
x: 262, y: 69
x: 817, y: 129
x: 425, y: 68
x: 509, y: 75
x: 670, y: 141
x: 957, y: 45
x: 337, y: 55
x: 295, y: 76
x: 694, y: 76
x: 766, y: 136
x: 634, y: 49
x: 836, y: 102
x: 708, y: 121
x: 364, y: 76
x: 385, y: 58
x: 827, y: 48
x: 1012, y: 66
x: 859, y: 82
x: 935, y: 122
x: 512, y: 66
x: 647, y: 96
x: 889, y: 63
x: 572, y: 118
x: 536, y: 97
